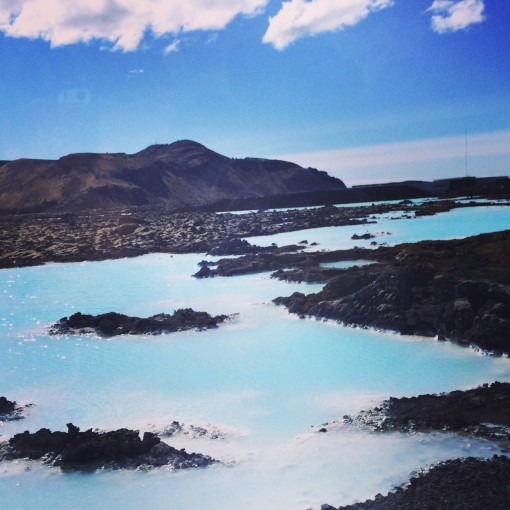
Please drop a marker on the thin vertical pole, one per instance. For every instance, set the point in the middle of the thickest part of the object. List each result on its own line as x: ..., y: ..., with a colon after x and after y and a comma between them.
x: 466, y: 157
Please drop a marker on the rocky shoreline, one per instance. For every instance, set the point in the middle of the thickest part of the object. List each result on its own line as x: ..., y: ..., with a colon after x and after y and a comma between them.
x: 112, y: 323
x: 470, y: 483
x: 482, y: 412
x: 473, y: 483
x: 35, y: 239
x: 457, y: 290
x: 306, y: 265
x: 92, y: 450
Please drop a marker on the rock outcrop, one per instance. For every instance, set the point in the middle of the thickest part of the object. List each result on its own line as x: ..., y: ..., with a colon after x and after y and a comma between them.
x: 457, y: 290
x: 305, y: 265
x: 112, y: 323
x: 33, y: 239
x: 10, y: 410
x: 471, y: 483
x: 91, y: 450
x: 483, y: 412
x: 193, y: 431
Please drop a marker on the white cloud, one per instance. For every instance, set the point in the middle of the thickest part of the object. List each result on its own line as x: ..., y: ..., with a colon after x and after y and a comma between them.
x: 213, y: 38
x: 454, y: 15
x: 301, y: 18
x: 122, y: 23
x: 172, y: 47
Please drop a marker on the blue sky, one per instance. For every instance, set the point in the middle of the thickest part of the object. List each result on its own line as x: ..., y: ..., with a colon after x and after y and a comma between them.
x: 369, y: 90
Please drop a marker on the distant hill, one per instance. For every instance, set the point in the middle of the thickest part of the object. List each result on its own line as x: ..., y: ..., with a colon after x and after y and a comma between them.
x: 181, y: 174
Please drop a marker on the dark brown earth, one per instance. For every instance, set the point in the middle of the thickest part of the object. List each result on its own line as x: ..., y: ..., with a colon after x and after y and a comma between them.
x: 91, y: 450
x: 112, y: 323
x: 460, y: 484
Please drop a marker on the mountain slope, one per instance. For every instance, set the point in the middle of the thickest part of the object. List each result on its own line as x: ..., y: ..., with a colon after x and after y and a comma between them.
x: 181, y: 174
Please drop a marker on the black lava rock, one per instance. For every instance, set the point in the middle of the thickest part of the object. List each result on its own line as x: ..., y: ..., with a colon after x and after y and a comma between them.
x: 90, y: 450
x: 112, y: 323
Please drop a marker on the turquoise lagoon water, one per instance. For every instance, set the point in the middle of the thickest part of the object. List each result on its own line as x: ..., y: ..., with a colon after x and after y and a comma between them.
x: 391, y: 228
x: 364, y: 204
x: 262, y: 380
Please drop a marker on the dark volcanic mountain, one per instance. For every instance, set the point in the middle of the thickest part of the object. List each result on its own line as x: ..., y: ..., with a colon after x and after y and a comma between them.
x: 181, y: 174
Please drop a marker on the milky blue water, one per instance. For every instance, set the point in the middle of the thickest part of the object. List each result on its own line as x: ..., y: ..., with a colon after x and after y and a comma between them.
x: 364, y: 204
x: 263, y: 380
x: 391, y: 228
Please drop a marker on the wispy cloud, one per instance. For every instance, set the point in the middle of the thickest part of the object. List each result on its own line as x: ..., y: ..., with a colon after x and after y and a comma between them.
x: 122, y: 23
x: 213, y: 38
x: 369, y: 160
x: 454, y: 15
x: 172, y: 47
x: 301, y: 18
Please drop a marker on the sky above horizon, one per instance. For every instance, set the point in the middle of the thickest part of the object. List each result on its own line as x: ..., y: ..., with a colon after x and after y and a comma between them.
x: 368, y: 90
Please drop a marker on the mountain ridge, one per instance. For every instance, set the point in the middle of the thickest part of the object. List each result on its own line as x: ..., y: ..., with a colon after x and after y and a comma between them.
x: 181, y: 174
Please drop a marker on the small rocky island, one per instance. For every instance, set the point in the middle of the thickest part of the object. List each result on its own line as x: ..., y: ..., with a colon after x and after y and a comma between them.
x: 91, y: 450
x: 10, y: 410
x: 112, y: 323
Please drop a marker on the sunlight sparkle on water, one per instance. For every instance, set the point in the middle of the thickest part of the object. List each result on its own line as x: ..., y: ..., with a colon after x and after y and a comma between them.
x: 263, y: 380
